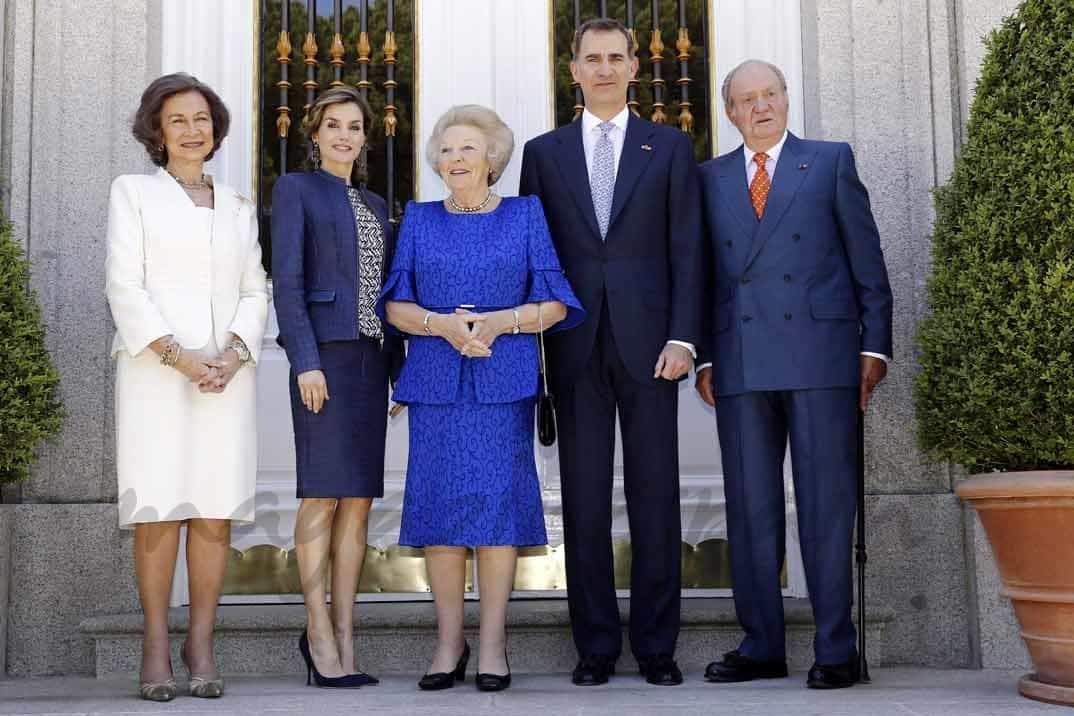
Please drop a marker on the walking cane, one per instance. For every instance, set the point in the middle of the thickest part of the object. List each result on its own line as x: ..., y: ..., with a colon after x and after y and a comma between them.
x: 859, y: 550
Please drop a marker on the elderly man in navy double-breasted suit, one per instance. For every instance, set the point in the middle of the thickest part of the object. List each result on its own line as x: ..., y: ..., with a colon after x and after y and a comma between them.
x: 800, y: 336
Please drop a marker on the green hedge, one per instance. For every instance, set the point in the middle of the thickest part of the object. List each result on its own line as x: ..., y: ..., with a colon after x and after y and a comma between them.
x: 996, y: 390
x: 29, y: 409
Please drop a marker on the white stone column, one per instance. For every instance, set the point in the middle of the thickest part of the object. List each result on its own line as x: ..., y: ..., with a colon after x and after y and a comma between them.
x: 490, y: 52
x: 214, y: 41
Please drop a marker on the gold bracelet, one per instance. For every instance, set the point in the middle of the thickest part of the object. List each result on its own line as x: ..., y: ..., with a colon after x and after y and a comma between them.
x: 425, y: 322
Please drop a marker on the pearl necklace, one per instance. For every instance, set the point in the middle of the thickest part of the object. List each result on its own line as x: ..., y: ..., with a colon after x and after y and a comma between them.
x: 469, y: 209
x: 203, y: 183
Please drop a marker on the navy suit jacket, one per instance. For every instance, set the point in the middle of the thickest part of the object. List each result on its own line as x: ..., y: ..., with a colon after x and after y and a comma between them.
x: 315, y: 264
x: 650, y: 266
x: 801, y: 293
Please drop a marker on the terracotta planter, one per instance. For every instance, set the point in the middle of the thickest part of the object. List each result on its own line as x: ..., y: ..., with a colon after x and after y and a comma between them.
x: 1029, y: 519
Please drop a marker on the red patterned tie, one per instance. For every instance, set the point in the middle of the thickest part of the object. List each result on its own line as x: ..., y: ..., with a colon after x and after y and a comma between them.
x: 760, y: 185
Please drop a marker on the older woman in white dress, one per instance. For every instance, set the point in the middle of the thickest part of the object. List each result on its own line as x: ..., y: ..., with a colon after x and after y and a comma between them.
x: 188, y: 294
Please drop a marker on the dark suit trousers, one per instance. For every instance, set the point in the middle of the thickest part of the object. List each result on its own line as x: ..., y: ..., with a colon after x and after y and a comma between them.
x: 648, y: 414
x: 822, y: 427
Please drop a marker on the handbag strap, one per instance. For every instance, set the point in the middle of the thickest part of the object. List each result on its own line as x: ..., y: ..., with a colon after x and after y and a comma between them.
x: 543, y: 364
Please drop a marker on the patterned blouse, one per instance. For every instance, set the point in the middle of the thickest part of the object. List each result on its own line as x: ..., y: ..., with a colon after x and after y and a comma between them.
x: 370, y: 264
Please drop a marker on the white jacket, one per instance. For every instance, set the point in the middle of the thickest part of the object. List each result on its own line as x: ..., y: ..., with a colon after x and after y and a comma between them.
x: 161, y: 280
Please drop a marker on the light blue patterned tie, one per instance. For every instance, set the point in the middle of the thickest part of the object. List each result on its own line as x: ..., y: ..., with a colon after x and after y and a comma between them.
x: 602, y: 177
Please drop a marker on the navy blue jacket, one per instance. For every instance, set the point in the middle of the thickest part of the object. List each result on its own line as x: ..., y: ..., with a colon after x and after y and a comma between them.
x: 801, y: 293
x: 315, y: 264
x: 650, y: 266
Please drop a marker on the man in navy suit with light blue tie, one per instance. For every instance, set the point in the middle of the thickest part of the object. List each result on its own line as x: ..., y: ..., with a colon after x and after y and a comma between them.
x: 622, y: 199
x: 800, y: 335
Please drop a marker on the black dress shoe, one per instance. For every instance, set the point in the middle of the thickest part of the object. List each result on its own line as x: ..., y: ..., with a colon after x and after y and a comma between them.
x: 735, y: 667
x: 494, y: 682
x: 446, y: 679
x: 660, y: 670
x: 593, y: 670
x: 834, y: 676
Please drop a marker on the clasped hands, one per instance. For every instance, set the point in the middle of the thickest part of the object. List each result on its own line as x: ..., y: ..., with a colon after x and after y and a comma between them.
x: 471, y: 334
x: 211, y: 373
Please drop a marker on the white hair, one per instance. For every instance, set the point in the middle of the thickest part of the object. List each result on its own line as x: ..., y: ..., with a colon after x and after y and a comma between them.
x: 498, y: 136
x: 726, y: 90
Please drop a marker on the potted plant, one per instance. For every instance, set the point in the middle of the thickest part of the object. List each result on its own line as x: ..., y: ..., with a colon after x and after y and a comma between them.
x: 996, y: 389
x: 29, y: 409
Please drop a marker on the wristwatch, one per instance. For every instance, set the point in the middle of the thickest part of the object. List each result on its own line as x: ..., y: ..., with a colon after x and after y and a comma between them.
x: 241, y: 350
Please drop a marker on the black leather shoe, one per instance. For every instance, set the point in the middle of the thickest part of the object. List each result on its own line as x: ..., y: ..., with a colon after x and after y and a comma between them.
x: 494, y: 682
x: 835, y: 676
x: 446, y: 679
x: 660, y: 670
x: 735, y: 667
x: 593, y: 670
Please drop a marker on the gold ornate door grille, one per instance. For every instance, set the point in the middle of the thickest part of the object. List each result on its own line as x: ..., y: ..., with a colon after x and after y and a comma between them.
x: 674, y: 55
x: 310, y: 45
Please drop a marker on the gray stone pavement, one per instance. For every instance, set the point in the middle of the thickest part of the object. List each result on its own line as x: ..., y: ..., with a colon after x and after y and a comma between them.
x: 893, y: 692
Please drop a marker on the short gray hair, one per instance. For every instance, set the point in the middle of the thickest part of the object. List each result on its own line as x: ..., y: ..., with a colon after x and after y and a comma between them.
x: 498, y: 136
x: 726, y: 90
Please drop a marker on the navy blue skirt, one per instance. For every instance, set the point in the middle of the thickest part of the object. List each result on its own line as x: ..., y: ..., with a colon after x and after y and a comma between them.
x: 340, y: 451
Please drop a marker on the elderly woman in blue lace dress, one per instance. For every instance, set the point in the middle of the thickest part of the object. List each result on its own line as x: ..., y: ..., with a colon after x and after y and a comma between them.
x: 474, y: 278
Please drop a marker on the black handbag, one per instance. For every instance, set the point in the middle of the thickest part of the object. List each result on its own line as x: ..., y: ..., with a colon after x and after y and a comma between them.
x: 546, y: 404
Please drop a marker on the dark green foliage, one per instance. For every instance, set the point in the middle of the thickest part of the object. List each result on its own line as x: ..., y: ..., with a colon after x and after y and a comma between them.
x: 996, y: 390
x: 29, y: 409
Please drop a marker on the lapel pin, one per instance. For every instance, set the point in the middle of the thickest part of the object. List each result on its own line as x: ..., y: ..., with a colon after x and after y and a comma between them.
x: 802, y: 167
x: 646, y: 148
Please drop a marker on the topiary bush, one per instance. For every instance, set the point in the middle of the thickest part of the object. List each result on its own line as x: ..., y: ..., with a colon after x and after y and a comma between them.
x: 996, y: 389
x: 29, y: 409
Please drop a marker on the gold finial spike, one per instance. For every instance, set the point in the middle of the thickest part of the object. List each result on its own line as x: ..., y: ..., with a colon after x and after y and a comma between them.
x: 686, y: 118
x: 656, y: 47
x: 390, y: 48
x: 283, y: 122
x: 364, y: 48
x: 283, y: 48
x: 309, y: 49
x: 659, y: 117
x: 337, y: 52
x: 683, y: 44
x: 390, y: 121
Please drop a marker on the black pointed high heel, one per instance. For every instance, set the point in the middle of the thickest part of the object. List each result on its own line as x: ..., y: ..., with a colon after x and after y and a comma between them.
x: 494, y: 682
x: 446, y: 679
x: 347, y: 681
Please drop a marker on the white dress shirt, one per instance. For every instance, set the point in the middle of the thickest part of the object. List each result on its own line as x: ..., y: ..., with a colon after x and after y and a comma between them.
x: 770, y: 168
x: 590, y: 136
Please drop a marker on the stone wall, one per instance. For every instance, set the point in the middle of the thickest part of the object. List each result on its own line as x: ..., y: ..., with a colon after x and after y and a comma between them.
x: 895, y: 80
x: 73, y: 72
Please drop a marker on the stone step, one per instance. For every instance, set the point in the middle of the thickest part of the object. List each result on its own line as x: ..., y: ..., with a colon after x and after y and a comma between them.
x: 398, y: 637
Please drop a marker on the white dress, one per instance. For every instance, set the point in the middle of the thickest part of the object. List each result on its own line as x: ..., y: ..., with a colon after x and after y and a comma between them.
x: 195, y: 273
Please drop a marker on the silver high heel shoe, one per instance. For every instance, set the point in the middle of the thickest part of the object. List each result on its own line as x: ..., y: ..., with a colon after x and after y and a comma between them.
x: 200, y: 686
x: 157, y: 690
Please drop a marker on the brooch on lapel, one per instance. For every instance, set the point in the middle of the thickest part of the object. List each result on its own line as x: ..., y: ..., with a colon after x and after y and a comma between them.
x: 646, y: 148
x: 803, y: 167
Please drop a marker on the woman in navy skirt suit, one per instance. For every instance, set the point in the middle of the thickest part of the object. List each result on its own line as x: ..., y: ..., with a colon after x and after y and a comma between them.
x: 331, y: 243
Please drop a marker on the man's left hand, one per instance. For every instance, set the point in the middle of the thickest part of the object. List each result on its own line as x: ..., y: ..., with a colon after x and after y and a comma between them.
x: 674, y: 362
x: 873, y: 370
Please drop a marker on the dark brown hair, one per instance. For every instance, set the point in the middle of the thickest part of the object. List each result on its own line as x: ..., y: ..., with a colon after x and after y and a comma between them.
x: 341, y: 94
x: 602, y: 24
x: 146, y: 127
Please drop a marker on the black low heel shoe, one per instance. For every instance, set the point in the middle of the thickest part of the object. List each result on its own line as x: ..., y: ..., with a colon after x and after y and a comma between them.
x: 347, y: 681
x: 446, y: 679
x: 494, y: 682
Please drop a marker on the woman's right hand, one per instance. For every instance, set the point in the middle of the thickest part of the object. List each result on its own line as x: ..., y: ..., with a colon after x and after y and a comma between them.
x: 194, y: 365
x: 455, y: 329
x: 314, y: 389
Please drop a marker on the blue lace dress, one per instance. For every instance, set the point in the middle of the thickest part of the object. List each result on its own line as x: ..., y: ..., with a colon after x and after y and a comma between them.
x: 471, y: 477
